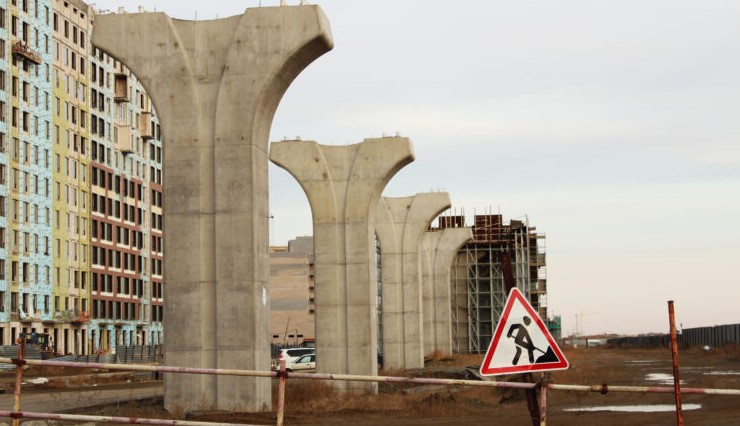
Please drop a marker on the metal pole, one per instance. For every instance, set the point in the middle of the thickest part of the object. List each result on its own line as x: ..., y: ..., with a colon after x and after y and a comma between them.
x: 542, y: 396
x: 18, y: 379
x: 676, y: 376
x: 108, y: 419
x: 281, y: 394
x: 532, y: 403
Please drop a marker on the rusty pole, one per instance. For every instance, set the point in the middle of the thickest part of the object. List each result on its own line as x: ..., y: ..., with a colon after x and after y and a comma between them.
x: 281, y: 394
x: 542, y: 396
x: 18, y: 379
x: 676, y: 376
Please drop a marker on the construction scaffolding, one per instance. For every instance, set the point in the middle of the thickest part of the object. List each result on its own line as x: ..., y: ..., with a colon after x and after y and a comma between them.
x: 498, y: 257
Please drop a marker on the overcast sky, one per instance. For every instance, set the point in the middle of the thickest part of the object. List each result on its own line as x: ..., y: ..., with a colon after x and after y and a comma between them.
x: 613, y: 126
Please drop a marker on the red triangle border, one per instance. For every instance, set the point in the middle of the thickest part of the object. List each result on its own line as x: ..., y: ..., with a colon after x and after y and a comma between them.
x: 516, y: 295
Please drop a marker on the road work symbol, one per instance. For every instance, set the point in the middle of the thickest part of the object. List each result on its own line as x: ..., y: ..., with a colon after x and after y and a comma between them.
x: 527, y: 346
x: 523, y: 341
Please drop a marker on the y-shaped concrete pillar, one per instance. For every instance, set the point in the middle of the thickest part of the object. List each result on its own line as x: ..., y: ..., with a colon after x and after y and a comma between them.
x: 216, y: 85
x: 400, y: 224
x: 440, y: 248
x: 343, y: 184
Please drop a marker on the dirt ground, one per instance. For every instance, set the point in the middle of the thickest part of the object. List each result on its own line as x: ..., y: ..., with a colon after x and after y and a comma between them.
x: 311, y: 402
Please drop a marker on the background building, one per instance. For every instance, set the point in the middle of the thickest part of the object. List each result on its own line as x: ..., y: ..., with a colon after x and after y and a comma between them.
x: 25, y: 168
x: 71, y: 166
x: 126, y: 202
x: 80, y: 186
x: 292, y: 293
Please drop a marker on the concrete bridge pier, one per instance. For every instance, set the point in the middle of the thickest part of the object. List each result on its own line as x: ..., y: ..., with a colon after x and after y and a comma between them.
x: 343, y: 185
x: 400, y: 224
x: 440, y: 248
x: 216, y: 85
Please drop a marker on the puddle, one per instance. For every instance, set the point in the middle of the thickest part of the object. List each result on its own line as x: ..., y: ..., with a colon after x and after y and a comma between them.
x: 659, y: 408
x: 642, y: 361
x: 661, y: 378
x: 723, y: 373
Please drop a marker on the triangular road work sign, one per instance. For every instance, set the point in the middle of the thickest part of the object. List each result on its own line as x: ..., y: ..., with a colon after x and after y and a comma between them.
x: 521, y: 342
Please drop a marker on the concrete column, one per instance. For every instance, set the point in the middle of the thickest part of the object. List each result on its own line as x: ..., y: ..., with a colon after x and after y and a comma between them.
x: 216, y: 85
x: 400, y: 224
x: 343, y: 185
x: 440, y: 247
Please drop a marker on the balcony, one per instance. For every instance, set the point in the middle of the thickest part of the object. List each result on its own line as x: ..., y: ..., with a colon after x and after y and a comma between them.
x: 146, y: 129
x: 72, y: 316
x: 122, y: 88
x: 124, y: 139
x: 22, y: 49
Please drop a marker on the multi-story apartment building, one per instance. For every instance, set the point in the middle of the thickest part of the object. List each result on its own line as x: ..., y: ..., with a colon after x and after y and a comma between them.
x: 80, y: 186
x: 25, y: 168
x: 126, y: 209
x: 71, y: 165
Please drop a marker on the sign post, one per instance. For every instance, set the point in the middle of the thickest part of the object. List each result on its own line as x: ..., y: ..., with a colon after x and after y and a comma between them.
x: 674, y: 353
x: 522, y: 344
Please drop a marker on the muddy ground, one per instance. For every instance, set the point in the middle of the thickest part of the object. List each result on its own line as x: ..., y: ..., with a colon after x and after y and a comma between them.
x: 315, y: 403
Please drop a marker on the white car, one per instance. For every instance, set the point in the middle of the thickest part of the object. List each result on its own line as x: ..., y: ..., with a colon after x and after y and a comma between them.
x: 304, y: 364
x: 291, y: 355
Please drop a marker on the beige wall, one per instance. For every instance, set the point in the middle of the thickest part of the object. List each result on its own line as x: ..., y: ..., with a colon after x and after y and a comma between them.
x: 291, y: 285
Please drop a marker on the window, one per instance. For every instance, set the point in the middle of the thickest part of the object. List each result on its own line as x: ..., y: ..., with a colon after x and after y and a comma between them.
x: 14, y: 301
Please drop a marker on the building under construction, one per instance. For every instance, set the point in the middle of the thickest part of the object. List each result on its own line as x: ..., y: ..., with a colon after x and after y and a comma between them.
x: 498, y: 257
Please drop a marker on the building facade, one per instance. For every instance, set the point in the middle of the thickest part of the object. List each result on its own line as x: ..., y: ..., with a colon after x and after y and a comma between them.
x: 25, y: 168
x: 292, y: 293
x: 81, y: 234
x: 126, y: 202
x: 71, y: 166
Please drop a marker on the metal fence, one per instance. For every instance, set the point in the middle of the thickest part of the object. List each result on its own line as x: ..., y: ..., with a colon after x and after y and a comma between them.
x: 139, y: 354
x: 540, y: 388
x: 133, y: 354
x: 715, y: 337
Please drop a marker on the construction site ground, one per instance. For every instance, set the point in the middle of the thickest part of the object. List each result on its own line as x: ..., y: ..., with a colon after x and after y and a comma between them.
x: 311, y: 402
